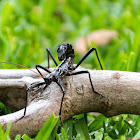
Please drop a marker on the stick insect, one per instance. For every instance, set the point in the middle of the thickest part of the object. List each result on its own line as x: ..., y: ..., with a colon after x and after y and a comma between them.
x: 65, y: 68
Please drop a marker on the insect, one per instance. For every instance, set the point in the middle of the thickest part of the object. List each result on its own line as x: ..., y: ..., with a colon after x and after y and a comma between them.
x: 65, y: 68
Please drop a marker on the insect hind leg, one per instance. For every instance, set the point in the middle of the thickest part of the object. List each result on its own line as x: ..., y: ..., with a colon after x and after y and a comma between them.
x: 86, y: 71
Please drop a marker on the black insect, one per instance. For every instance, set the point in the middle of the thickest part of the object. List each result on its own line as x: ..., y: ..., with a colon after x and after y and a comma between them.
x: 65, y: 68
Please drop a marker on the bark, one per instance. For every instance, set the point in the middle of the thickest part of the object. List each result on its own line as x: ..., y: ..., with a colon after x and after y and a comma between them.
x: 121, y: 92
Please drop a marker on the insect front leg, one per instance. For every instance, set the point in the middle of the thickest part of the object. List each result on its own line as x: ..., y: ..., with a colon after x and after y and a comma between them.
x: 86, y: 55
x: 28, y: 89
x: 45, y: 69
x: 49, y: 53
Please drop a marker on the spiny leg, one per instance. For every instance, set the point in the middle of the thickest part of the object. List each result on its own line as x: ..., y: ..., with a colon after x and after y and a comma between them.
x: 63, y: 91
x: 86, y: 55
x: 38, y: 66
x: 29, y: 88
x: 35, y: 85
x: 86, y: 71
x: 49, y: 53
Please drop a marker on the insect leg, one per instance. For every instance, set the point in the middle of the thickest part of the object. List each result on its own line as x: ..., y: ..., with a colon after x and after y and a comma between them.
x: 49, y: 53
x: 86, y: 71
x: 29, y: 88
x: 63, y: 91
x: 38, y: 66
x: 85, y: 56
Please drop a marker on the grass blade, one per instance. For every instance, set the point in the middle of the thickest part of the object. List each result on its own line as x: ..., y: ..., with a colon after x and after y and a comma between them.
x: 54, y: 132
x: 26, y: 137
x: 50, y: 129
x: 7, y: 130
x: 68, y: 127
x: 131, y: 62
x: 97, y: 123
x: 18, y: 137
x: 1, y: 133
x: 137, y: 136
x: 64, y: 135
x: 45, y: 128
x: 132, y: 127
x: 82, y: 129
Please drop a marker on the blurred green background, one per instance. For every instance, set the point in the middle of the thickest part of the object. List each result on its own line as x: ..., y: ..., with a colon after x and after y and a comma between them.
x: 27, y: 28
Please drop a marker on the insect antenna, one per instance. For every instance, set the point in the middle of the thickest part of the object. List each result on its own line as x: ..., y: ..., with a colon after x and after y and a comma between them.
x: 23, y: 67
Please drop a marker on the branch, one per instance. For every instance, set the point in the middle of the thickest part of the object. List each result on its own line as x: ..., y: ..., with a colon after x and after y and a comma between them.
x: 121, y: 92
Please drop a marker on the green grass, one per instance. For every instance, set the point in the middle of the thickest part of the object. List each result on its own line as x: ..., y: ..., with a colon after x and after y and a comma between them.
x: 27, y: 28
